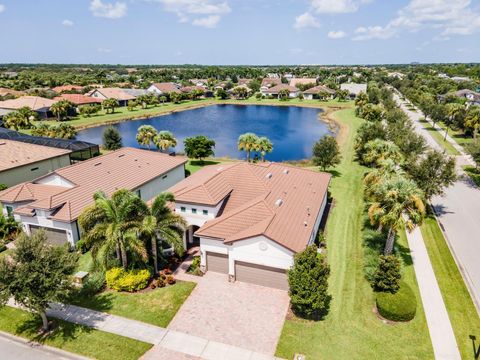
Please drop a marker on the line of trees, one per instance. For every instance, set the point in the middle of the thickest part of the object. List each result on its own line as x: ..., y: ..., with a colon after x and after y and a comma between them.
x: 250, y: 142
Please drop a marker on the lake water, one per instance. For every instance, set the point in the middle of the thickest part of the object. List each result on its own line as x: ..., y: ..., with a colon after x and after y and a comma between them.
x: 293, y: 130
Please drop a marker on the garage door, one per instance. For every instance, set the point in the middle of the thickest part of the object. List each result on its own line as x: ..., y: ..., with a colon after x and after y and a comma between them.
x: 217, y: 262
x: 54, y: 236
x: 261, y: 275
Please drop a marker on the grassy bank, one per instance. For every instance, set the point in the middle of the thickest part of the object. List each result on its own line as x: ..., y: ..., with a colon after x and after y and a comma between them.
x: 473, y: 173
x: 70, y: 337
x: 439, y: 138
x: 461, y: 310
x: 352, y: 330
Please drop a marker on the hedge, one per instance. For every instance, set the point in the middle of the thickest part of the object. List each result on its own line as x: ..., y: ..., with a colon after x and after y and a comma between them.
x: 131, y: 280
x: 399, y: 306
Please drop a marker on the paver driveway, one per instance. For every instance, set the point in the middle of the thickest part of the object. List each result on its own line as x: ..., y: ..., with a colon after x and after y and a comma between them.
x: 239, y: 314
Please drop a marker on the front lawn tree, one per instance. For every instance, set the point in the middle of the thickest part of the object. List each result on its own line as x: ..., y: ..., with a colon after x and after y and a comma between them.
x: 326, y: 152
x: 37, y: 274
x: 199, y: 147
x: 112, y: 140
x: 308, y: 282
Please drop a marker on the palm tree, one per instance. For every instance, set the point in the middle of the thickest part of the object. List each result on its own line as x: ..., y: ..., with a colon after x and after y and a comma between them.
x: 163, y: 99
x: 264, y: 146
x: 379, y: 150
x: 472, y: 120
x: 110, y: 104
x: 165, y: 140
x: 113, y: 224
x: 163, y: 224
x: 20, y: 119
x: 66, y: 131
x: 248, y: 142
x: 61, y: 108
x: 453, y: 110
x: 398, y: 202
x: 143, y: 100
x: 146, y: 134
x: 386, y: 170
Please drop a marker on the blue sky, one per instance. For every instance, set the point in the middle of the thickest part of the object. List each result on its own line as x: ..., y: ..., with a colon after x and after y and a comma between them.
x: 239, y: 31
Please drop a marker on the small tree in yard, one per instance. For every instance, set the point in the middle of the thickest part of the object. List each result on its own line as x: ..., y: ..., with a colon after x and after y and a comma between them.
x: 308, y: 281
x: 112, y: 140
x: 326, y: 152
x: 474, y: 150
x: 387, y: 276
x: 37, y: 274
x: 199, y: 147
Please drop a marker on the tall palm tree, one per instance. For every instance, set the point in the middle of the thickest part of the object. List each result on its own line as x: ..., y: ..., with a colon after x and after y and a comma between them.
x: 110, y: 104
x: 165, y: 140
x: 453, y: 110
x: 472, y: 120
x: 379, y: 150
x: 146, y: 134
x: 112, y: 225
x: 66, y: 131
x: 264, y: 146
x: 398, y: 202
x: 248, y: 142
x: 20, y: 119
x: 61, y: 108
x: 386, y: 170
x: 163, y: 224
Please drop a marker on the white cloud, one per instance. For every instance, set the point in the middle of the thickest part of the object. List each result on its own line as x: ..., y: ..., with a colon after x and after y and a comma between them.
x: 2, y: 8
x: 450, y: 17
x: 336, y: 34
x: 67, y: 22
x: 305, y: 20
x: 104, y: 50
x: 337, y: 6
x: 108, y: 10
x: 208, y: 21
x: 206, y: 13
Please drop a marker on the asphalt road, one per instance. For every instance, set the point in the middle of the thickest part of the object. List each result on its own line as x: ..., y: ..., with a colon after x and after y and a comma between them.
x: 13, y: 348
x: 458, y: 212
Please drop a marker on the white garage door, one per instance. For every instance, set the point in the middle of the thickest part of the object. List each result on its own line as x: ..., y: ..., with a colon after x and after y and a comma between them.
x: 54, y: 236
x: 261, y: 275
x: 217, y: 262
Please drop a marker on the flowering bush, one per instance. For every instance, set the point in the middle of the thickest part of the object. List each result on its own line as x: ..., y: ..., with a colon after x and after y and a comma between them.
x: 131, y: 280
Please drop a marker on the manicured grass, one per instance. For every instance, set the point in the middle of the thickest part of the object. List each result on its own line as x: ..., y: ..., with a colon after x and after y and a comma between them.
x: 457, y: 135
x: 473, y: 173
x: 74, y: 338
x: 194, y: 165
x: 352, y: 330
x: 461, y: 310
x: 439, y: 138
x: 156, y: 307
x: 85, y: 262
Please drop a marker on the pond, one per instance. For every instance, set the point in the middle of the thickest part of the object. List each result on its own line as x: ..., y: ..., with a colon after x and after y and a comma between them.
x: 293, y: 130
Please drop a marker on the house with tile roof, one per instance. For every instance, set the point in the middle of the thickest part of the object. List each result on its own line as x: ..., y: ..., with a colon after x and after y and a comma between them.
x: 54, y: 201
x: 78, y: 99
x: 275, y: 91
x: 118, y: 94
x: 36, y: 103
x: 313, y: 93
x: 249, y: 220
x: 164, y: 88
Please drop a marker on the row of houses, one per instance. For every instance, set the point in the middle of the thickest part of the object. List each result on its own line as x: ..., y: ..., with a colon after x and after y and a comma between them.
x: 249, y: 220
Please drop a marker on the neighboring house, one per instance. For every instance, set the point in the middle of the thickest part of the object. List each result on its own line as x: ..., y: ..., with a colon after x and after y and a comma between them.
x: 353, y: 89
x: 63, y: 88
x: 251, y: 219
x: 233, y: 91
x: 473, y: 97
x: 303, y: 81
x: 118, y: 94
x: 199, y: 82
x: 244, y: 81
x: 136, y: 92
x: 55, y: 201
x: 313, y: 92
x: 164, y: 88
x: 189, y: 89
x: 10, y: 92
x: 78, y: 99
x: 293, y: 92
x: 460, y: 78
x: 396, y: 74
x: 20, y: 162
x: 270, y: 82
x: 36, y: 103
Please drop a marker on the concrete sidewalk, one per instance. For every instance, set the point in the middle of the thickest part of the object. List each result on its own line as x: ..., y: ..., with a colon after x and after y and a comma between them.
x: 193, y: 347
x: 441, y: 332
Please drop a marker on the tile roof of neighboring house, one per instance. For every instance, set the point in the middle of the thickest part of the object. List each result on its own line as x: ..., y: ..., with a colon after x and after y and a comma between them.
x: 78, y: 99
x: 464, y: 92
x: 319, y: 88
x: 302, y: 81
x: 136, y: 92
x: 33, y: 102
x: 16, y: 153
x: 126, y: 168
x: 271, y: 81
x: 167, y: 87
x: 187, y: 89
x: 278, y: 201
x: 354, y: 88
x: 276, y: 89
x: 244, y: 81
x: 59, y: 89
x: 5, y: 91
x: 115, y: 93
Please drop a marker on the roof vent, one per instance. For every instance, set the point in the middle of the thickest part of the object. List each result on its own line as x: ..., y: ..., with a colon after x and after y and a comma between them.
x: 268, y: 176
x: 305, y: 223
x: 286, y: 171
x: 278, y: 203
x: 121, y: 155
x: 97, y: 164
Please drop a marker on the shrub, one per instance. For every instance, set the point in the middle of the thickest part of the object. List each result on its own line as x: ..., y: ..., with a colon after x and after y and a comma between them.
x: 308, y: 280
x: 170, y: 279
x: 160, y: 283
x: 132, y: 280
x: 112, y: 140
x: 82, y: 246
x: 387, y: 276
x: 400, y: 306
x: 3, y: 247
x: 3, y: 187
x: 194, y: 267
x: 94, y: 284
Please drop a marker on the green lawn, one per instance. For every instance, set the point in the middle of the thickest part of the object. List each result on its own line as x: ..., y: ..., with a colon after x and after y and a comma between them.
x: 73, y: 338
x: 351, y: 330
x: 194, y: 165
x: 457, y: 135
x: 473, y: 173
x: 85, y: 262
x: 439, y: 138
x: 461, y: 310
x: 157, y: 307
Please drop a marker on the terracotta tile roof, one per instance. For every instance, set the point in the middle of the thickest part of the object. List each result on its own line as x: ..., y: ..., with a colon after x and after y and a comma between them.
x: 33, y: 102
x: 127, y: 168
x: 187, y: 89
x: 17, y: 153
x: 166, y: 87
x: 319, y: 88
x: 114, y: 93
x: 302, y: 81
x: 5, y: 91
x: 78, y: 99
x: 278, y: 201
x: 276, y: 89
x: 59, y: 89
x: 271, y: 82
x: 29, y: 192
